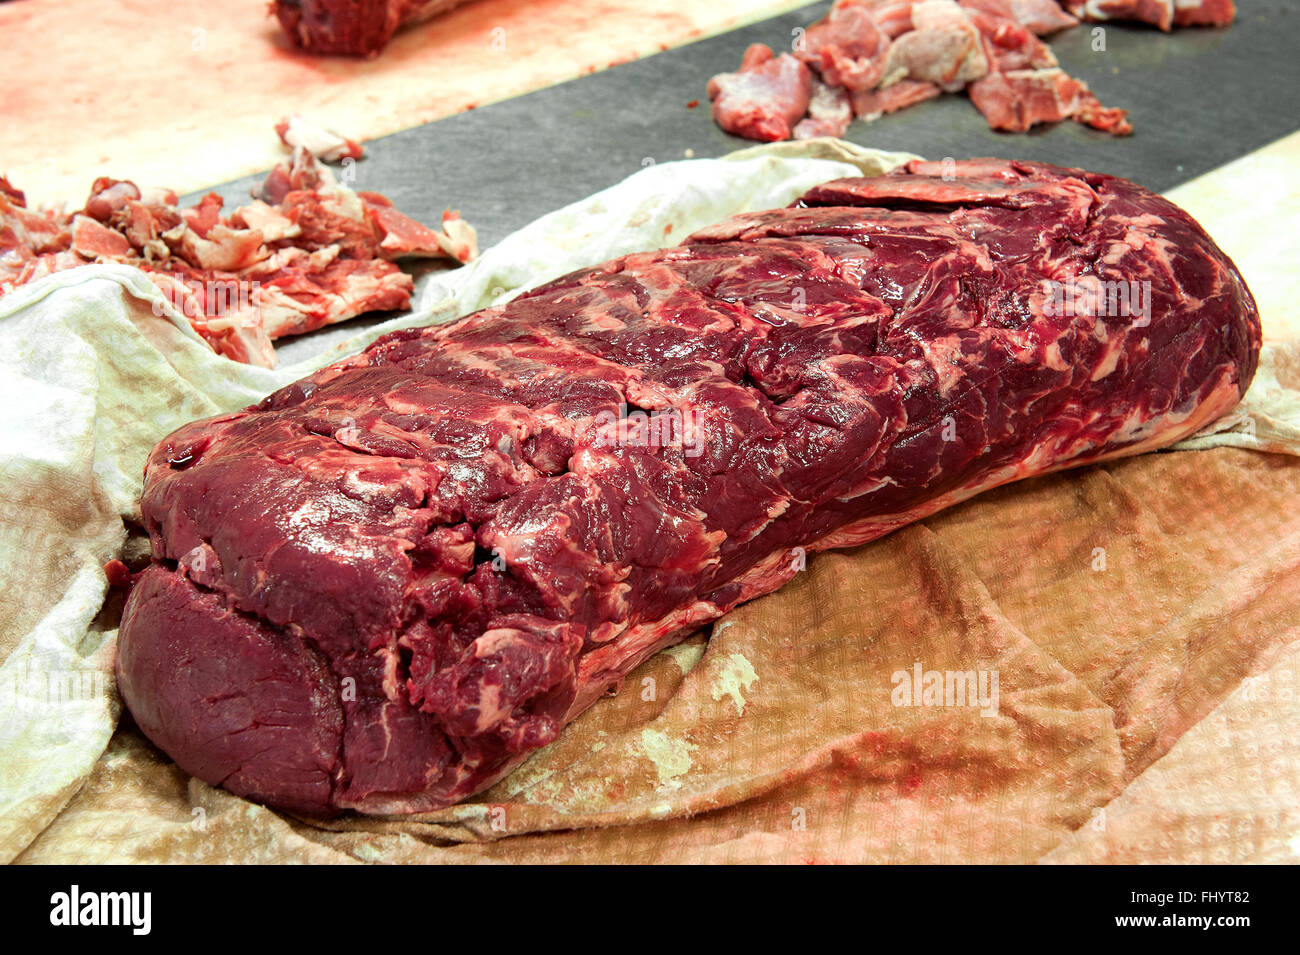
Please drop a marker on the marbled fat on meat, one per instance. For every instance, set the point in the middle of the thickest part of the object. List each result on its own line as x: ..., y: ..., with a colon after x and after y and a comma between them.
x: 388, y: 583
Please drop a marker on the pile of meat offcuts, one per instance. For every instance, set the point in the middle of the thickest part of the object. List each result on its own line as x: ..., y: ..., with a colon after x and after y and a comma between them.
x: 306, y: 252
x: 870, y: 57
x: 385, y: 585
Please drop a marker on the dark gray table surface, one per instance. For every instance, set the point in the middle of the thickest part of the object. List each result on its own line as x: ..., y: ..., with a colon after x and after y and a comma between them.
x: 1198, y: 98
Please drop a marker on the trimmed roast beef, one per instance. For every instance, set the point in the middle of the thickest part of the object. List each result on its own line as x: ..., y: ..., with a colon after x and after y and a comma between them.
x: 385, y: 585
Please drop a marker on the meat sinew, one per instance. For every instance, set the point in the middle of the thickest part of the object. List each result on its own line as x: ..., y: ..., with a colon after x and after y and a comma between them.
x: 385, y: 585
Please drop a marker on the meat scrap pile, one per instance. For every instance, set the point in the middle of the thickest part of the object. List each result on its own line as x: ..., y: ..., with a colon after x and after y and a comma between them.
x: 871, y: 57
x: 386, y: 584
x: 305, y: 253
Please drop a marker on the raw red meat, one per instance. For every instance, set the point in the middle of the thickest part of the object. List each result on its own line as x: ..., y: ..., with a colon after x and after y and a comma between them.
x: 1008, y: 45
x: 385, y: 585
x: 829, y: 112
x: 847, y: 48
x: 943, y: 47
x: 765, y: 98
x: 1041, y: 16
x: 1164, y: 14
x: 295, y: 131
x: 1018, y: 99
x: 1025, y: 86
x: 1217, y: 13
x: 24, y: 232
x: 352, y: 27
x: 870, y: 104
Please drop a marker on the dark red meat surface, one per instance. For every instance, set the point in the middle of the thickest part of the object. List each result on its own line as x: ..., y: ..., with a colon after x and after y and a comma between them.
x: 351, y: 27
x: 388, y: 583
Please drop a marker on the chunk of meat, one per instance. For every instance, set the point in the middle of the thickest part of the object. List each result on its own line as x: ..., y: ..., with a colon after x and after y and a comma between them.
x: 888, y: 54
x: 829, y: 112
x: 1018, y: 99
x: 310, y: 252
x: 1164, y: 14
x: 385, y: 585
x: 402, y: 237
x: 943, y: 48
x: 296, y: 131
x: 269, y: 220
x: 352, y: 27
x: 872, y: 104
x: 92, y: 241
x: 1008, y: 45
x: 1041, y: 16
x: 765, y: 98
x: 1218, y: 13
x: 846, y: 48
x: 894, y: 17
x: 302, y: 296
x: 36, y: 232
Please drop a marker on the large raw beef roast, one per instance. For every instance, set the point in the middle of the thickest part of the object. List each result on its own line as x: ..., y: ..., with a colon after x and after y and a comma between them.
x: 388, y: 583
